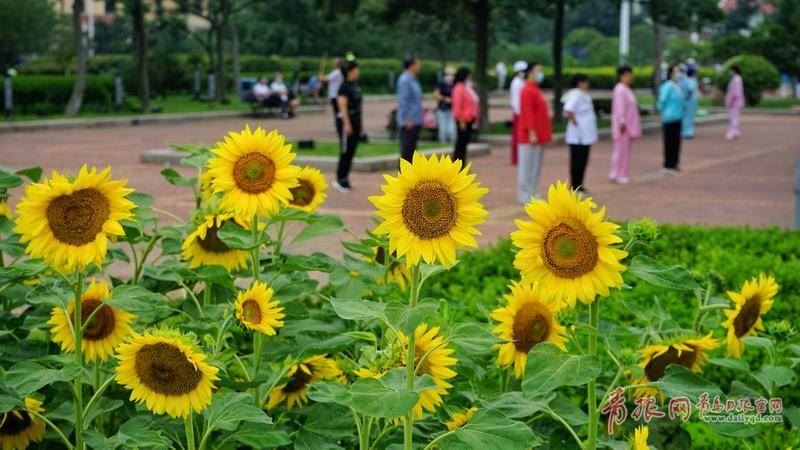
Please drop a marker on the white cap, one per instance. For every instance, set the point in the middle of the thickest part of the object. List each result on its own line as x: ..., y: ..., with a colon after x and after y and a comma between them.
x: 519, y: 66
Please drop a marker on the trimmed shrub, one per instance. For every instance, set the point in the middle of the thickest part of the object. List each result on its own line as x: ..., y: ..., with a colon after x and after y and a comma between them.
x: 758, y: 75
x: 49, y: 94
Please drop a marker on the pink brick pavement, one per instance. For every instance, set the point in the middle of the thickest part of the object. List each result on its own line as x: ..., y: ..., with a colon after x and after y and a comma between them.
x: 743, y: 182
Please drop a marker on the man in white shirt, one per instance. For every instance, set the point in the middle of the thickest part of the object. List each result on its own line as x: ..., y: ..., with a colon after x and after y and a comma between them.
x: 516, y: 88
x: 335, y: 79
x: 261, y: 90
x: 279, y: 88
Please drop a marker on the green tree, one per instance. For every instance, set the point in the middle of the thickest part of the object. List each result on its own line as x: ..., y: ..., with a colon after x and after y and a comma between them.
x: 76, y: 98
x: 26, y: 30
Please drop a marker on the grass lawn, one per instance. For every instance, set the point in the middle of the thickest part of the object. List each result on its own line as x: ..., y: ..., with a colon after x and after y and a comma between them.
x: 768, y: 102
x: 502, y: 128
x: 331, y: 148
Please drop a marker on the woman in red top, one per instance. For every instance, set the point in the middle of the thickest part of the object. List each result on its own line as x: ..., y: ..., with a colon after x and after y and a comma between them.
x: 465, y: 112
x: 533, y: 131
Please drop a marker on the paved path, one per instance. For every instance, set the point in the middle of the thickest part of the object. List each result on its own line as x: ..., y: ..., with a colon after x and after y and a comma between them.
x: 744, y: 182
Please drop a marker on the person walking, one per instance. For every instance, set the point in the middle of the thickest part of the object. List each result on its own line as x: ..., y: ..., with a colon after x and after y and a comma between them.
x: 671, y: 106
x: 534, y: 131
x: 349, y: 104
x: 409, y: 107
x: 690, y: 92
x: 466, y: 111
x: 516, y: 88
x: 625, y: 124
x: 581, y: 128
x: 335, y: 80
x: 734, y: 102
x: 446, y: 127
x: 502, y: 72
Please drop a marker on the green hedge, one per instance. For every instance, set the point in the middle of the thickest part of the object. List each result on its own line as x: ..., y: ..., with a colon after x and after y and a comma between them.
x: 49, y: 94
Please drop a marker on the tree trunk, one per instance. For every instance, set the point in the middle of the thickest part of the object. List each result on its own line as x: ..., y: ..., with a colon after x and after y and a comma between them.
x: 221, y: 85
x: 558, y: 42
x: 140, y: 53
x: 76, y: 99
x: 656, y: 60
x: 481, y: 14
x: 237, y: 71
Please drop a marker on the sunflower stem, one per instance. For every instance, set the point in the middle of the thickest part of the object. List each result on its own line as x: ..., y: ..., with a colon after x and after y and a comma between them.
x: 206, y: 294
x: 188, y: 422
x: 279, y: 241
x: 566, y: 425
x: 254, y: 251
x: 410, y: 357
x: 60, y: 434
x: 594, y: 318
x: 96, y: 396
x: 257, y: 341
x: 438, y: 439
x: 77, y: 337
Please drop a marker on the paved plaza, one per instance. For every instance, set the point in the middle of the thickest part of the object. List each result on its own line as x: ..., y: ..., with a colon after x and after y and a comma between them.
x: 749, y: 181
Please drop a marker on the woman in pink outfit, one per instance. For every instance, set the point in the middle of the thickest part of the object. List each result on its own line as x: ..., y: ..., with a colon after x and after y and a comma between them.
x: 734, y: 101
x: 625, y: 124
x: 465, y: 112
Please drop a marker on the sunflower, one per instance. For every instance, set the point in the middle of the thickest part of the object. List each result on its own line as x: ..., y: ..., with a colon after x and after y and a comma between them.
x: 567, y: 247
x: 253, y: 170
x: 256, y: 310
x: 166, y: 371
x: 310, y: 193
x: 294, y: 392
x: 430, y: 209
x: 203, y: 246
x: 69, y: 222
x: 640, y: 438
x: 19, y: 427
x: 527, y: 319
x: 5, y: 210
x: 689, y: 353
x: 460, y: 419
x: 750, y: 304
x: 107, y: 329
x: 437, y: 363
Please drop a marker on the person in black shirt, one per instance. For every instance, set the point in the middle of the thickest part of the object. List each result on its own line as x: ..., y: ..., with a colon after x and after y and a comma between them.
x: 349, y: 103
x: 444, y: 118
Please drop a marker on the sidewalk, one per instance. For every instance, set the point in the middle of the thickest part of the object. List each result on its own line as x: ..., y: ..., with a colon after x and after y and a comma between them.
x: 749, y: 181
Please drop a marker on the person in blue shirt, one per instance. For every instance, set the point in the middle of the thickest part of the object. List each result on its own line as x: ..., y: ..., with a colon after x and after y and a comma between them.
x: 409, y: 107
x: 689, y: 86
x: 671, y: 105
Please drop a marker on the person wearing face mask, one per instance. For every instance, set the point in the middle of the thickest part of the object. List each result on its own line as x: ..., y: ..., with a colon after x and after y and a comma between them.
x: 444, y: 116
x: 533, y: 132
x: 581, y: 128
x: 734, y: 102
x: 465, y: 112
x: 516, y: 87
x: 625, y: 125
x: 671, y: 104
x: 689, y: 86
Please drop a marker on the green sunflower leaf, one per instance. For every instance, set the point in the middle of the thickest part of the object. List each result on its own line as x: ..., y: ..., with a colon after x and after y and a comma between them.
x: 489, y: 430
x: 375, y: 399
x: 230, y: 409
x: 473, y: 338
x: 774, y: 377
x: 9, y: 180
x: 358, y: 309
x: 406, y: 318
x: 678, y: 381
x: 239, y: 238
x: 548, y: 368
x: 147, y: 305
x: 330, y: 392
x: 323, y: 226
x: 258, y: 436
x: 655, y: 273
x: 176, y: 179
x: 27, y: 377
x: 32, y: 173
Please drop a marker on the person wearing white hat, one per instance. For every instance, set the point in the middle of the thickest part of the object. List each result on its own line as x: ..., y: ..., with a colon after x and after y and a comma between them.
x: 516, y: 88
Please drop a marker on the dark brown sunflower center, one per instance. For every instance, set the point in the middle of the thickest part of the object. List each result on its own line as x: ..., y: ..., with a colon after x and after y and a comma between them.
x: 429, y: 210
x: 102, y: 324
x: 303, y: 195
x: 531, y: 326
x: 570, y: 251
x: 165, y: 369
x: 657, y: 366
x: 300, y: 379
x: 251, y: 311
x: 211, y: 242
x: 748, y: 316
x: 14, y: 422
x: 254, y: 173
x: 76, y: 219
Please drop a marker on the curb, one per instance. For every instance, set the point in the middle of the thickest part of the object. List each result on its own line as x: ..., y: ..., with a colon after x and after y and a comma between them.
x: 134, y: 120
x: 605, y: 133
x: 168, y: 156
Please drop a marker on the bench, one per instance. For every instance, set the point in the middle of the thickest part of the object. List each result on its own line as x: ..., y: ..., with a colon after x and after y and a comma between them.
x: 257, y: 107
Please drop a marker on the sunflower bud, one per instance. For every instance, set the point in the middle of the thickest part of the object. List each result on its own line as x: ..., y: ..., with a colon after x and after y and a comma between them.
x: 567, y: 317
x: 643, y: 231
x: 781, y: 329
x: 628, y: 357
